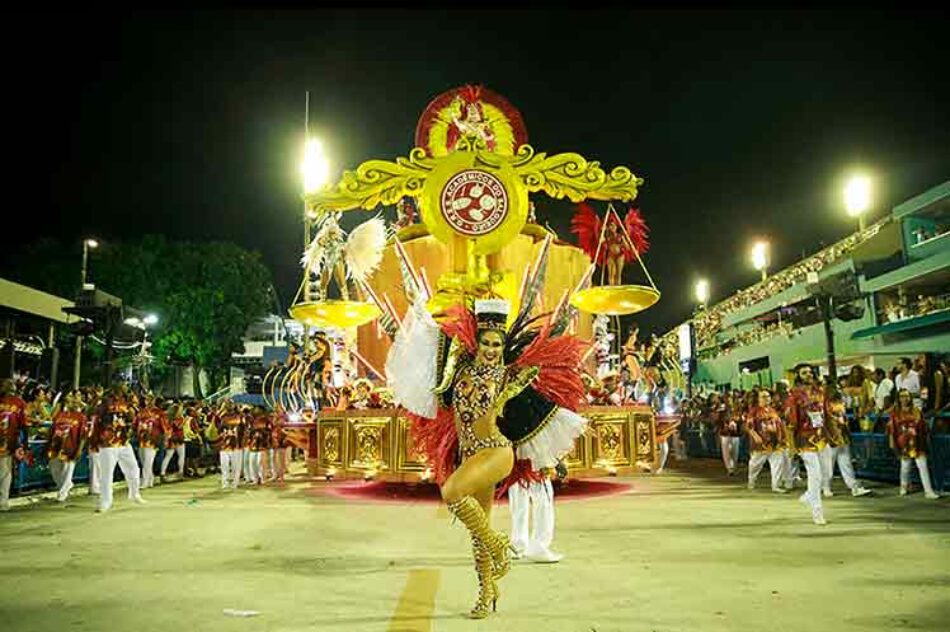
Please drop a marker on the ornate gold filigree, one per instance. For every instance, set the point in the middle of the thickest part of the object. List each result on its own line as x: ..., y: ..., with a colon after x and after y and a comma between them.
x: 610, y: 444
x: 331, y: 445
x: 572, y: 176
x: 375, y: 182
x: 567, y: 175
x: 368, y: 444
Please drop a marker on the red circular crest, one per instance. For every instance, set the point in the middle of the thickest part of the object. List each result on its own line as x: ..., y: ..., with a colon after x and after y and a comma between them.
x: 474, y: 202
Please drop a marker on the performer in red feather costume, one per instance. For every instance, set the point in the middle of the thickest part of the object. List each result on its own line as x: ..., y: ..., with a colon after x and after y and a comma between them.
x: 621, y: 242
x: 488, y: 406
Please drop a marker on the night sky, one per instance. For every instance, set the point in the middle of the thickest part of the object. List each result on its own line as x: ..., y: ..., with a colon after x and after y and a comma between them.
x: 742, y: 123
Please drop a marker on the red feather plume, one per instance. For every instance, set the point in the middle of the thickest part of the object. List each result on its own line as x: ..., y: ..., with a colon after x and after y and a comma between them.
x: 438, y: 440
x: 470, y: 93
x: 461, y: 324
x: 521, y: 474
x: 559, y: 361
x: 637, y: 230
x: 586, y: 225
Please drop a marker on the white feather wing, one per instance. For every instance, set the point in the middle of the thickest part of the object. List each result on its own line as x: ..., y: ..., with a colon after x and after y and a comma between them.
x: 312, y: 257
x: 364, y: 248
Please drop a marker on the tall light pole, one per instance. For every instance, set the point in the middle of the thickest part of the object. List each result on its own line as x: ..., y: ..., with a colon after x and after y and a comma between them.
x: 701, y: 294
x: 857, y: 198
x: 760, y: 257
x: 77, y: 362
x: 149, y: 321
x: 315, y: 170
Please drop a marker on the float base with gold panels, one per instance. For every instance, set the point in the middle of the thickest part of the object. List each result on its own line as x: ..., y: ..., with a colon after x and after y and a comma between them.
x: 377, y: 443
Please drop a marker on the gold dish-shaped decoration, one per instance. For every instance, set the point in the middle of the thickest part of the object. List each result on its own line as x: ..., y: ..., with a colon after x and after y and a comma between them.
x: 615, y: 300
x: 334, y: 313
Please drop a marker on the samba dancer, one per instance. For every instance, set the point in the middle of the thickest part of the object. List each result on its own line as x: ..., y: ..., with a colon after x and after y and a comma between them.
x: 499, y: 397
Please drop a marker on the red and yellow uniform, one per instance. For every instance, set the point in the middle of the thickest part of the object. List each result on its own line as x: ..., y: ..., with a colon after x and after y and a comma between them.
x: 908, y: 433
x: 113, y: 425
x: 837, y: 430
x: 231, y: 431
x: 66, y: 435
x: 149, y: 425
x: 260, y: 434
x: 766, y: 429
x: 728, y: 419
x: 278, y: 432
x: 807, y: 415
x: 12, y: 421
x: 174, y: 431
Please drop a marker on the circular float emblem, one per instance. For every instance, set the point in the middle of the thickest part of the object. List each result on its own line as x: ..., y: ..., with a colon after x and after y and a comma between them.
x: 474, y: 202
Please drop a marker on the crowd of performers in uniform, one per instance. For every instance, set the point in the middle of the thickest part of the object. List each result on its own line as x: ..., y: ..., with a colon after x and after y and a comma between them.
x: 807, y: 425
x: 120, y: 428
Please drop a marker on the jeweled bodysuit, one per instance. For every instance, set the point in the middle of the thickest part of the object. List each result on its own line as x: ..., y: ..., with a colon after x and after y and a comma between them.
x: 475, y: 398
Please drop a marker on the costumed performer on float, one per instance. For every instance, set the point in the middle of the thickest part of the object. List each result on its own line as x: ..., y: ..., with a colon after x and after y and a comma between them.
x: 484, y: 402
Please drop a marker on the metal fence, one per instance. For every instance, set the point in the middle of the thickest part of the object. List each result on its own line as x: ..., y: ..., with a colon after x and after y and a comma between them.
x: 873, y: 458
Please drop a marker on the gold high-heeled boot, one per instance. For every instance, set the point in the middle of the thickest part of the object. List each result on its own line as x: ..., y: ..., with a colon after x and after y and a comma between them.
x: 471, y: 514
x: 487, y: 588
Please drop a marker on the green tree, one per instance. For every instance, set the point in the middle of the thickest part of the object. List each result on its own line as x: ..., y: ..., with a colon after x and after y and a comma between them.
x: 205, y: 294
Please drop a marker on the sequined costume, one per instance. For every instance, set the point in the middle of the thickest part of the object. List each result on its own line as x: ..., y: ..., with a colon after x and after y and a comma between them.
x: 468, y: 393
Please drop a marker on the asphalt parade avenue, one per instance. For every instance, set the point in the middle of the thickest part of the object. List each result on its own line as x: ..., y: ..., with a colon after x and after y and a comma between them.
x: 688, y: 550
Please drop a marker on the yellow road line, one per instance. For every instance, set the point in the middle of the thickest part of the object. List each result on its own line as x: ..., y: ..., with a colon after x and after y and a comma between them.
x: 417, y: 602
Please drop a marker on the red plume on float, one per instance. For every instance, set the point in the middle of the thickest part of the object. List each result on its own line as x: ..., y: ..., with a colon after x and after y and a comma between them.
x: 637, y: 230
x: 586, y: 225
x: 470, y: 93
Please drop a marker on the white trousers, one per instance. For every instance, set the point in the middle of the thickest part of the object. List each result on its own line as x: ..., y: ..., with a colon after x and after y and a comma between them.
x: 792, y: 471
x: 6, y: 480
x: 230, y: 468
x: 776, y: 461
x: 828, y: 456
x: 246, y: 465
x: 679, y: 448
x: 812, y: 495
x: 664, y: 454
x: 539, y: 497
x: 271, y: 470
x: 921, y: 468
x: 730, y: 452
x: 147, y: 459
x: 282, y: 457
x: 62, y: 473
x: 125, y: 458
x: 256, y: 472
x: 169, y: 452
x: 94, y: 472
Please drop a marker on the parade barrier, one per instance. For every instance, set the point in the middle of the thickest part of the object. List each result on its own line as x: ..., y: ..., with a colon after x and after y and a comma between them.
x: 873, y: 457
x: 37, y: 477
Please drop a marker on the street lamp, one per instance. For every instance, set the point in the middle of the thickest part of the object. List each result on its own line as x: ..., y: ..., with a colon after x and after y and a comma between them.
x: 702, y: 292
x: 87, y: 244
x: 760, y: 257
x: 150, y: 320
x: 857, y: 198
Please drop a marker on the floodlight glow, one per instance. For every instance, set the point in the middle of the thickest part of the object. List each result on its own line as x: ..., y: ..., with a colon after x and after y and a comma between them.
x: 702, y: 291
x: 760, y: 255
x: 92, y: 243
x: 857, y: 195
x: 150, y: 319
x: 315, y: 168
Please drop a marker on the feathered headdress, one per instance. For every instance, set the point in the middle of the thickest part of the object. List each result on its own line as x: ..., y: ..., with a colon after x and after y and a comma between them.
x: 470, y: 93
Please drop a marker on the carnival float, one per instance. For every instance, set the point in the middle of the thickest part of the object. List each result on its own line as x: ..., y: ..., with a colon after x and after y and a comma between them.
x: 466, y: 228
